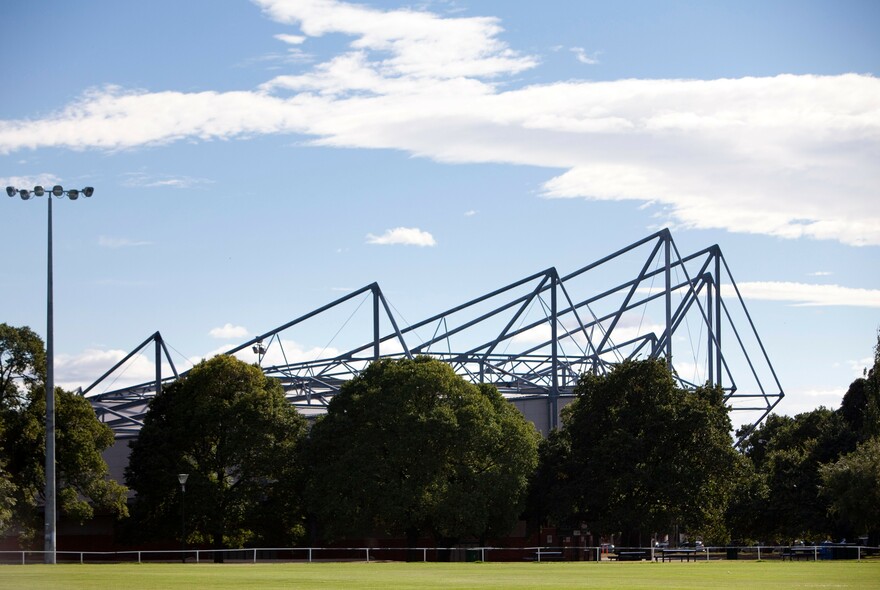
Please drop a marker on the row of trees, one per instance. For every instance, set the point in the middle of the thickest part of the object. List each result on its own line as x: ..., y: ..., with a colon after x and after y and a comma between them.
x: 406, y: 448
x: 640, y: 456
x: 409, y: 448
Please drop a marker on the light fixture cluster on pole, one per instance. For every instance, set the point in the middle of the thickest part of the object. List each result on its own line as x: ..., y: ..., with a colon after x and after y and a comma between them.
x: 49, y: 545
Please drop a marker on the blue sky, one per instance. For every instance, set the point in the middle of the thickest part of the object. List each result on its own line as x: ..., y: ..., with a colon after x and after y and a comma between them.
x: 251, y: 161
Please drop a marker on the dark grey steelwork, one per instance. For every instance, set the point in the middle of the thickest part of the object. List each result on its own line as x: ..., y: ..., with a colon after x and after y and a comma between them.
x: 50, y: 526
x: 534, y: 338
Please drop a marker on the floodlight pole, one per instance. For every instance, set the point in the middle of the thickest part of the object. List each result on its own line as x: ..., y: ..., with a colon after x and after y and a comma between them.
x: 50, y: 539
x: 50, y: 532
x: 182, y: 477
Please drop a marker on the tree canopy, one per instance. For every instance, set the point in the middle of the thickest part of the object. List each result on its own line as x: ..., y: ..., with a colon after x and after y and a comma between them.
x: 852, y: 487
x: 409, y: 447
x: 22, y: 363
x: 81, y: 472
x: 231, y: 429
x: 799, y: 464
x: 640, y: 455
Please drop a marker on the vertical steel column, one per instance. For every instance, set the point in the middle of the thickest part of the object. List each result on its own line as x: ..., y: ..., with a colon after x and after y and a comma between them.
x: 49, y: 533
x: 667, y: 272
x: 554, y: 353
x: 717, y: 253
x: 710, y: 361
x: 375, y: 322
x: 158, y: 342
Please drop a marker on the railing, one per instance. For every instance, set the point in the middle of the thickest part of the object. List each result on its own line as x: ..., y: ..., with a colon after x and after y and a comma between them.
x: 437, y: 554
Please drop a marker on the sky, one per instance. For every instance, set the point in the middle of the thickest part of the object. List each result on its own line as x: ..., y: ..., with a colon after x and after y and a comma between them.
x: 253, y: 161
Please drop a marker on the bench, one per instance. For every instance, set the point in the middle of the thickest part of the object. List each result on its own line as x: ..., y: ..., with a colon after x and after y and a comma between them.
x: 798, y: 553
x: 680, y: 554
x: 630, y: 555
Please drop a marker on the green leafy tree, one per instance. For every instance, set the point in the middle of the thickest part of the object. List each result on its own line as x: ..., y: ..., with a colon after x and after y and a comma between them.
x: 645, y: 455
x: 82, y: 480
x: 852, y: 487
x: 786, y: 454
x: 232, y: 430
x: 860, y: 407
x: 22, y: 364
x: 409, y: 447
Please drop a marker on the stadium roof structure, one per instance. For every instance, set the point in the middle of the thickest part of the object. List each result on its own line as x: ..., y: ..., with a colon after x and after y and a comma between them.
x: 532, y: 339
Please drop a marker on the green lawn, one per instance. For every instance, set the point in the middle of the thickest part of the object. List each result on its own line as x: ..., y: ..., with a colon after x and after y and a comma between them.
x: 390, y: 576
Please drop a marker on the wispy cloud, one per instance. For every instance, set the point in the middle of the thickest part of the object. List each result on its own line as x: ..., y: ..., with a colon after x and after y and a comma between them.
x: 810, y: 295
x: 756, y: 155
x: 140, y: 179
x: 584, y: 57
x: 291, y: 39
x: 470, y: 213
x: 406, y: 236
x: 820, y: 273
x: 228, y: 332
x: 110, y: 242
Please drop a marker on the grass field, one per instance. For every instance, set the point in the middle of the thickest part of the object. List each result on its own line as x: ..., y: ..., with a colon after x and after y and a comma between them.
x: 391, y: 576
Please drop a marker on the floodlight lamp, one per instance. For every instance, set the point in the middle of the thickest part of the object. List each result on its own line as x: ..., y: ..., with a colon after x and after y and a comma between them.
x: 182, y: 477
x: 88, y: 191
x: 73, y: 194
x: 57, y: 190
x: 24, y: 194
x: 38, y: 191
x: 10, y: 190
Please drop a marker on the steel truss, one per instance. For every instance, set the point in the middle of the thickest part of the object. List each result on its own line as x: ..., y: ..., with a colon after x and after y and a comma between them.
x: 533, y: 338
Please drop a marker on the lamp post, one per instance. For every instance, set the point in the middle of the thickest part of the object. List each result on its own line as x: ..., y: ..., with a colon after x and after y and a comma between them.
x: 49, y: 544
x: 182, y: 477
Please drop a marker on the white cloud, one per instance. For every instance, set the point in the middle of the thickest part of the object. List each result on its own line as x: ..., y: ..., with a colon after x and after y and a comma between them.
x: 28, y: 182
x: 139, y: 179
x: 810, y: 295
x: 108, y: 242
x: 820, y: 273
x: 805, y: 400
x: 291, y: 39
x: 755, y: 155
x: 80, y: 370
x: 470, y: 213
x: 584, y: 57
x: 407, y: 236
x: 228, y: 332
x: 859, y: 366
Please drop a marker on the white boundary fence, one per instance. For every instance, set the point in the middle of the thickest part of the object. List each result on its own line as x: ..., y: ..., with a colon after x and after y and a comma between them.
x: 459, y: 554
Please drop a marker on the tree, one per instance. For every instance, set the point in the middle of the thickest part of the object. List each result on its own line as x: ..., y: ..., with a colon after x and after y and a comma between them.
x: 852, y: 487
x: 644, y: 455
x: 786, y: 454
x: 22, y: 363
x: 409, y: 447
x: 231, y: 429
x: 81, y: 473
x: 860, y: 407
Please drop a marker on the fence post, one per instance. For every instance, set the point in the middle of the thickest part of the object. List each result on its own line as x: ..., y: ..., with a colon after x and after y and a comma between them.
x: 197, y: 555
x: 483, y: 554
x: 759, y: 553
x: 80, y: 557
x: 815, y: 553
x: 22, y: 558
x: 424, y: 554
x: 310, y: 555
x: 539, y: 555
x: 859, y: 553
x: 255, y: 556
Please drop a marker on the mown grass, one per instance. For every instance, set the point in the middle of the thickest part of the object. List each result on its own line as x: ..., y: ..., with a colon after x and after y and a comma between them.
x: 392, y: 576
